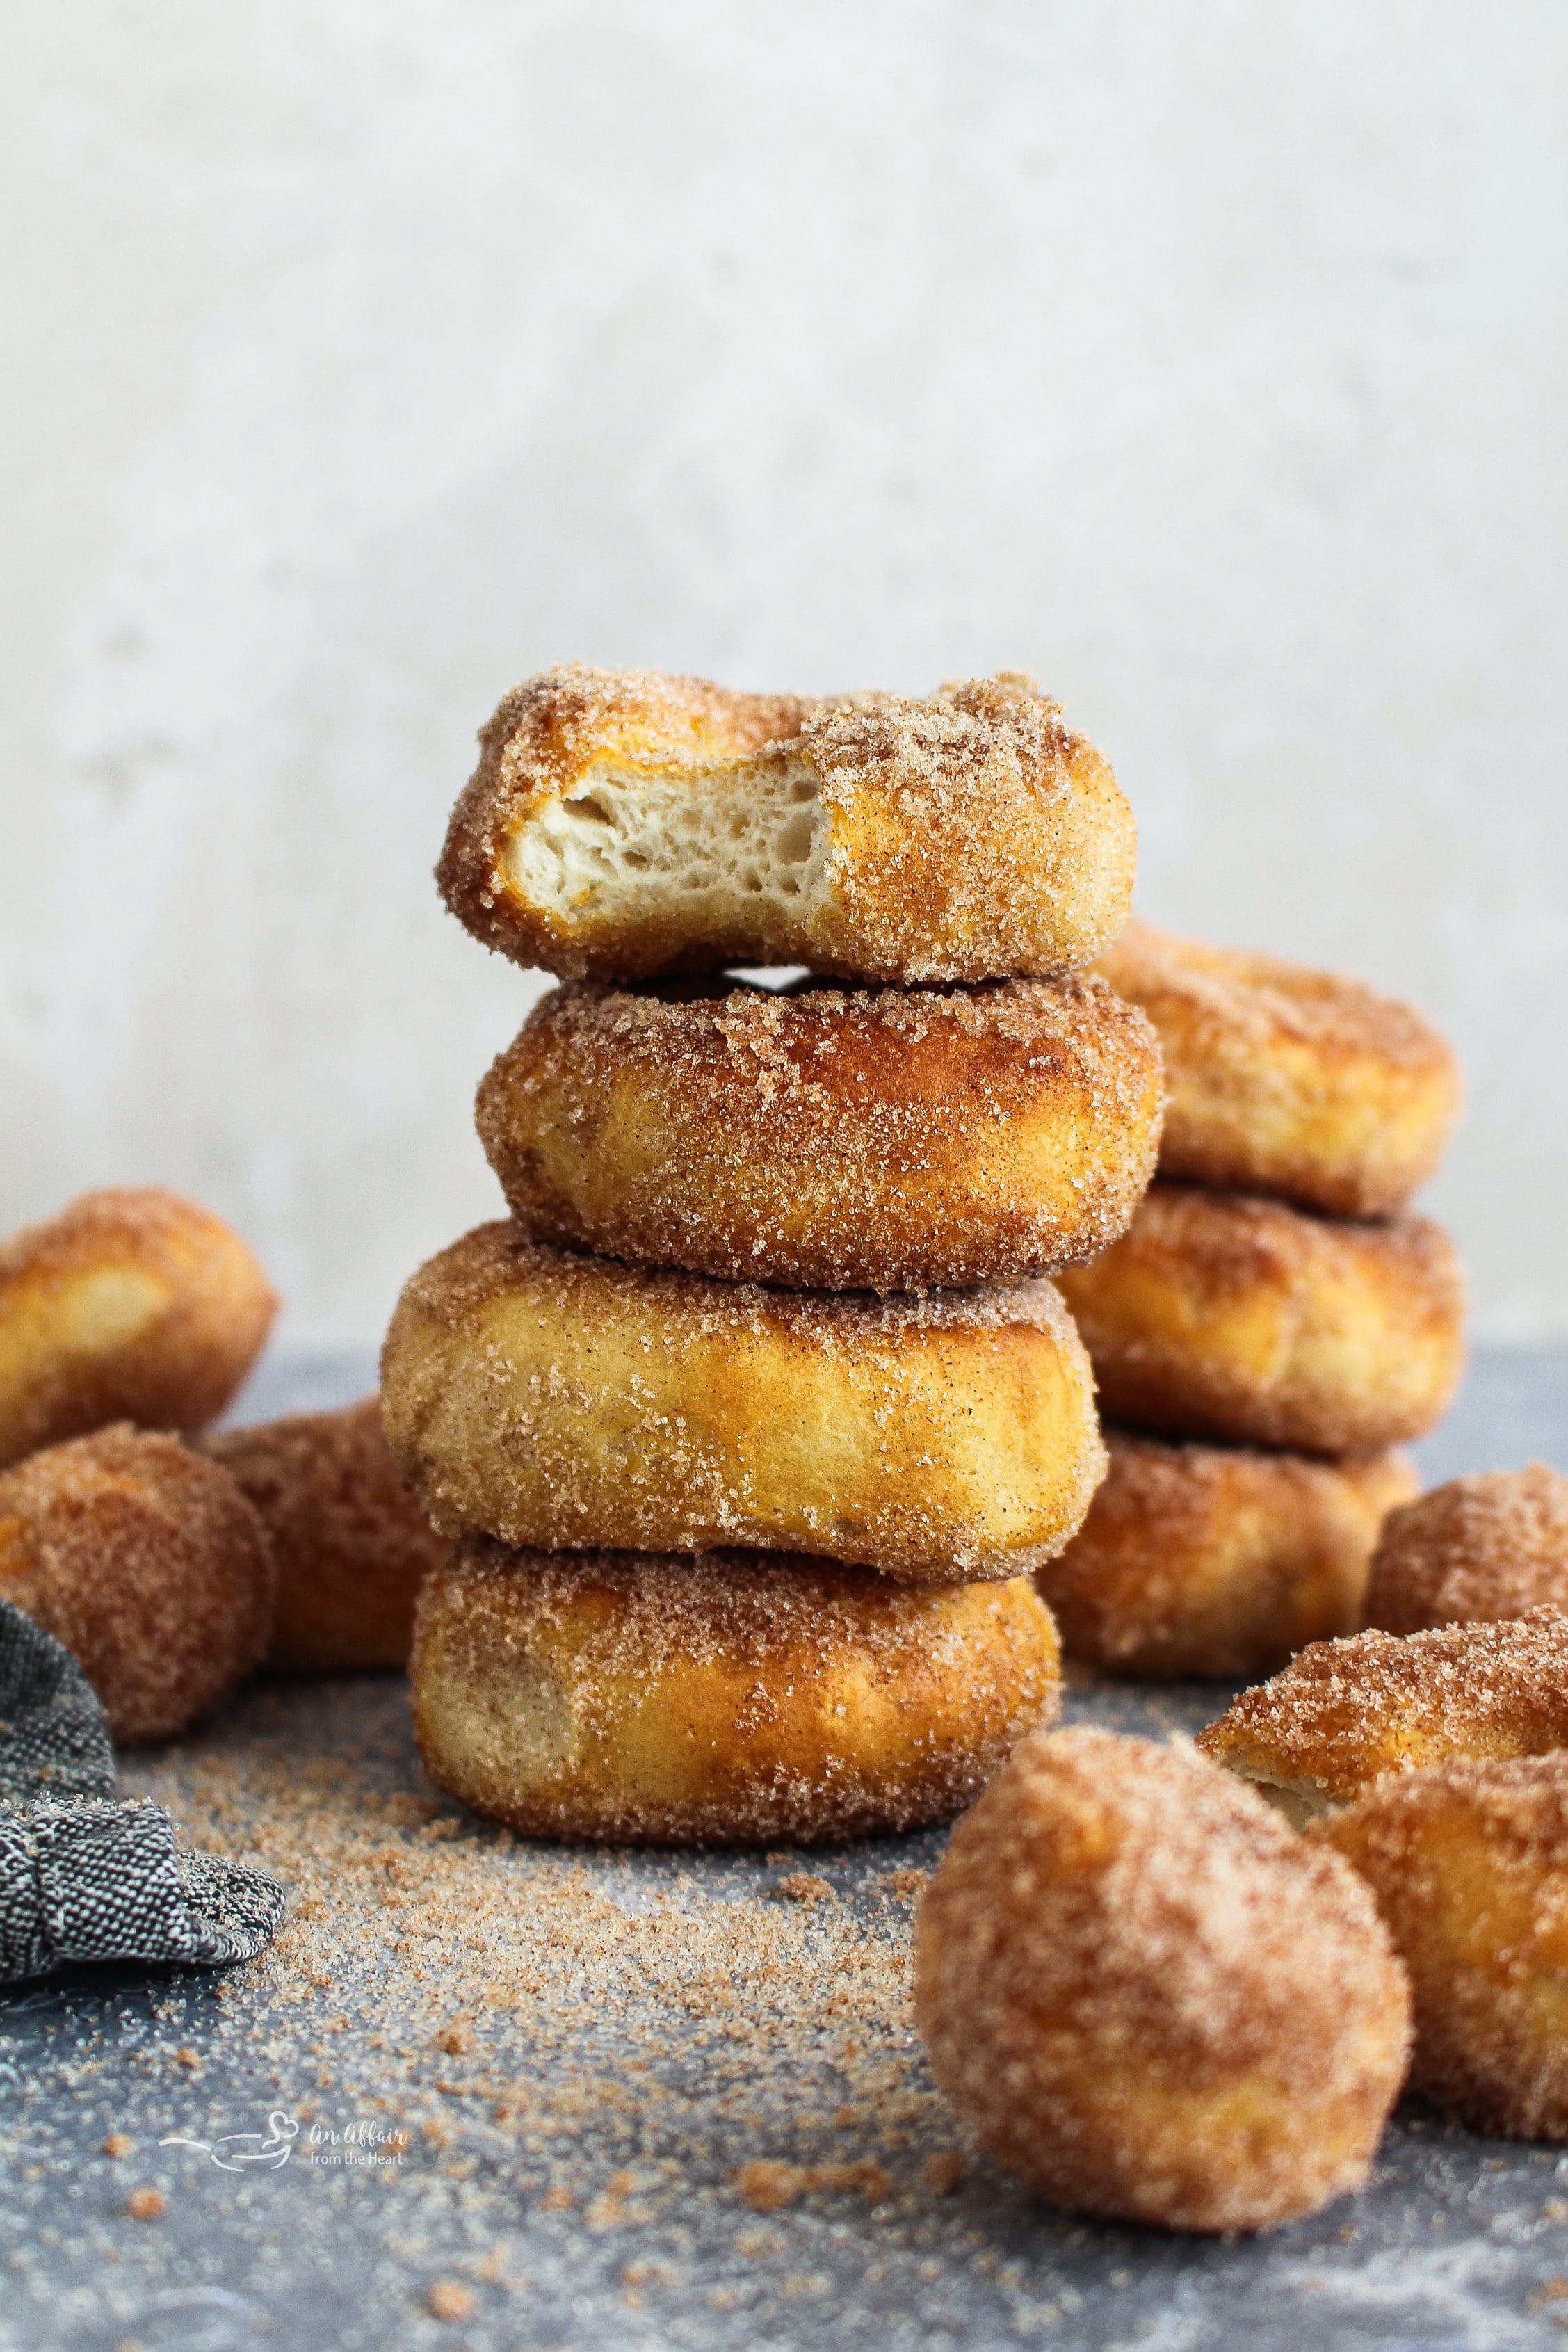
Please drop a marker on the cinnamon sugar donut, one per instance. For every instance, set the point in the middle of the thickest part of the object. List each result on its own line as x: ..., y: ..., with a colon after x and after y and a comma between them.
x: 876, y: 1140
x: 1150, y: 1998
x: 1289, y: 1081
x: 561, y: 1402
x: 622, y: 823
x: 1210, y: 1561
x: 725, y: 1701
x: 1470, y: 1867
x: 146, y: 1560
x: 349, y: 1541
x: 1216, y: 1316
x: 1480, y: 1549
x: 131, y: 1305
x: 1343, y: 1714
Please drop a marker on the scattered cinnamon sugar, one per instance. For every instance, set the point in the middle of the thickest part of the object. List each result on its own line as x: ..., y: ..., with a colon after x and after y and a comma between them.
x: 117, y: 2144
x: 446, y: 2300
x: 587, y: 2009
x: 145, y: 2205
x: 771, y: 2186
x: 801, y: 1887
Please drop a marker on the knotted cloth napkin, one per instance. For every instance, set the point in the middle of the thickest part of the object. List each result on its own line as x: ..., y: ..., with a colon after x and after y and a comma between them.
x: 83, y: 1876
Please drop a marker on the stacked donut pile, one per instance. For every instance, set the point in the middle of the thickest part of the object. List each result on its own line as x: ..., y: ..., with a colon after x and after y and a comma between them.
x: 756, y: 1418
x: 1273, y: 1322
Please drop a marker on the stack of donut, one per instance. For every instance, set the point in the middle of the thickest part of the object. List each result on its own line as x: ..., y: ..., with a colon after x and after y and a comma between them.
x: 755, y: 1419
x: 1273, y: 1323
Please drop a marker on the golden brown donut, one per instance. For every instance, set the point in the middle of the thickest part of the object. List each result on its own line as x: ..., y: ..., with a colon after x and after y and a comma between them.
x: 1289, y: 1081
x: 1480, y: 1549
x: 351, y: 1542
x: 885, y: 1140
x: 1343, y: 1714
x: 131, y: 1305
x: 622, y: 823
x: 722, y: 1701
x: 146, y: 1560
x: 561, y: 1402
x: 1470, y: 1867
x: 1210, y: 1561
x: 1150, y: 1998
x: 1220, y: 1317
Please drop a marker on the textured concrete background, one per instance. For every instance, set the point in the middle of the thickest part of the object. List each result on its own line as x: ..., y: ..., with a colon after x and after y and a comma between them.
x: 1209, y: 361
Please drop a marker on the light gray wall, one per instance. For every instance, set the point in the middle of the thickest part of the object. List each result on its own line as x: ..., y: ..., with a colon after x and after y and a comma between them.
x: 367, y: 354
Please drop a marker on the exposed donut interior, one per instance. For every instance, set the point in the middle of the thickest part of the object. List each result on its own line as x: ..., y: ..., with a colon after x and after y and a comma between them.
x: 717, y: 839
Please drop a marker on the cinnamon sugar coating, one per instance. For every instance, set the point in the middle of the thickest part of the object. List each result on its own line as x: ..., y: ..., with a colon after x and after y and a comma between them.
x: 1208, y: 1561
x: 622, y: 823
x: 1345, y: 1714
x: 1469, y: 1866
x: 350, y: 1543
x: 146, y: 1560
x: 729, y: 1700
x: 1222, y: 1316
x: 558, y: 1401
x: 881, y: 1140
x: 1288, y: 1081
x: 1150, y: 1998
x: 131, y: 1305
x: 1487, y: 1547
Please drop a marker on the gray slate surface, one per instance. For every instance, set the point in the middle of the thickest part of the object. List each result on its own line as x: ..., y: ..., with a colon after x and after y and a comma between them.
x: 1460, y: 2242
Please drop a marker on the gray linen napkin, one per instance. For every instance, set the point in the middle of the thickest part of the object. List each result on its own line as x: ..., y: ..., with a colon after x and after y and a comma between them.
x: 82, y: 1876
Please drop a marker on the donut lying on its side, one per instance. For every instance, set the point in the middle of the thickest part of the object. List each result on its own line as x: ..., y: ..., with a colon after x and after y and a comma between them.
x: 146, y: 1560
x: 727, y: 1701
x: 561, y: 1403
x: 1152, y: 1999
x: 1223, y: 1317
x: 350, y: 1543
x: 622, y: 823
x: 131, y: 1305
x: 1210, y: 1561
x: 1469, y: 1866
x: 1343, y: 1714
x: 880, y: 1140
x: 1288, y: 1081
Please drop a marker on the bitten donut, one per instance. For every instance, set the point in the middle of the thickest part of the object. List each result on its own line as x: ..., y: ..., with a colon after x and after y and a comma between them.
x: 1470, y: 1867
x: 146, y: 1560
x: 1343, y: 1714
x: 727, y: 1701
x: 1216, y: 1316
x: 884, y: 1139
x: 1202, y: 1561
x: 350, y: 1543
x: 130, y: 1305
x: 622, y: 823
x: 1480, y: 1549
x: 1288, y: 1081
x: 1150, y: 1998
x: 558, y: 1402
